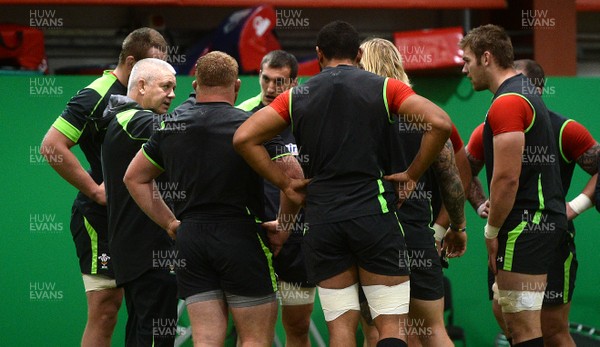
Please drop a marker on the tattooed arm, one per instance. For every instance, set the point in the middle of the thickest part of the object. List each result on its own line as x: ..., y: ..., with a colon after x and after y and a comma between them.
x: 453, y: 198
x: 588, y: 161
x: 451, y: 188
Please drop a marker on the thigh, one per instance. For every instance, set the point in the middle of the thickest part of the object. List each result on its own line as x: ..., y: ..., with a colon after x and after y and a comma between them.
x: 256, y: 323
x: 294, y: 294
x: 105, y: 302
x: 208, y: 320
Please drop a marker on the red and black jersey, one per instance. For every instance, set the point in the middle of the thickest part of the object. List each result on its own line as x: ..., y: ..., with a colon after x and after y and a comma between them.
x: 514, y: 109
x: 572, y: 138
x: 475, y: 145
x: 340, y: 119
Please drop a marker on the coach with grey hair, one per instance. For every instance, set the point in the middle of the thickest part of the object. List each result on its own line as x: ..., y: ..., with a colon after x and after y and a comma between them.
x: 143, y: 252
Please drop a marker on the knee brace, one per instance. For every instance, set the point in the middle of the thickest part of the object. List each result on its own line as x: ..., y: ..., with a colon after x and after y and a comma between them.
x: 388, y: 299
x: 336, y: 302
x: 513, y: 301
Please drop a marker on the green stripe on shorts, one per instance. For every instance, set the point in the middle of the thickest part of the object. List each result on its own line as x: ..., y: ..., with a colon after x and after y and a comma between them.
x: 269, y: 256
x: 94, y: 243
x: 509, y: 252
x: 382, y: 202
x: 567, y: 277
x: 399, y: 224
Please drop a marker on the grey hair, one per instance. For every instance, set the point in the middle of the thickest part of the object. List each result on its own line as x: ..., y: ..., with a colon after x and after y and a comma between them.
x: 146, y: 69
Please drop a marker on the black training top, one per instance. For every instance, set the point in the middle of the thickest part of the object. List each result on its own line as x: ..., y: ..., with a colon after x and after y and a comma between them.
x: 134, y: 239
x: 540, y: 186
x: 77, y: 122
x: 340, y: 118
x: 196, y: 151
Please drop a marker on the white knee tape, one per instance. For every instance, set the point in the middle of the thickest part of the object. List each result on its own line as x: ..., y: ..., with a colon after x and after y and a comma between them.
x: 496, y: 295
x: 388, y: 299
x: 513, y: 301
x: 336, y: 302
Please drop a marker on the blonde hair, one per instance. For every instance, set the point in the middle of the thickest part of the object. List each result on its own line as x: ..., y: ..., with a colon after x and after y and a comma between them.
x: 381, y: 57
x: 216, y: 69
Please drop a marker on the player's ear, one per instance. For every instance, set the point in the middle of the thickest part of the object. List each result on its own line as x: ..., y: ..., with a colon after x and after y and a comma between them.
x: 238, y: 84
x: 129, y: 62
x: 141, y: 84
x: 358, y: 56
x: 486, y: 58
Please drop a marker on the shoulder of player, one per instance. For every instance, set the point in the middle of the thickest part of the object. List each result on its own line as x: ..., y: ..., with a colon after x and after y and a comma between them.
x: 250, y: 104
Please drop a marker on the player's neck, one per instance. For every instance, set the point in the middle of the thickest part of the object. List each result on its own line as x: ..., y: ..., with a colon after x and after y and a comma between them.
x: 335, y: 62
x: 499, y: 77
x: 122, y: 74
x: 215, y: 94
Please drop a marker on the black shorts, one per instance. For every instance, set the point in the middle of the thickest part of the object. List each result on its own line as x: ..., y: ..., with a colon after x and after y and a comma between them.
x: 228, y: 256
x: 151, y: 313
x: 89, y: 227
x: 562, y: 273
x: 426, y: 276
x: 528, y: 244
x: 290, y: 264
x: 374, y: 243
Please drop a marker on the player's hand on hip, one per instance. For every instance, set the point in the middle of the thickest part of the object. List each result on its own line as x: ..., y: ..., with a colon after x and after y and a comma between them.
x: 296, y: 190
x: 403, y: 184
x: 172, y: 228
x: 276, y: 235
x: 99, y: 195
